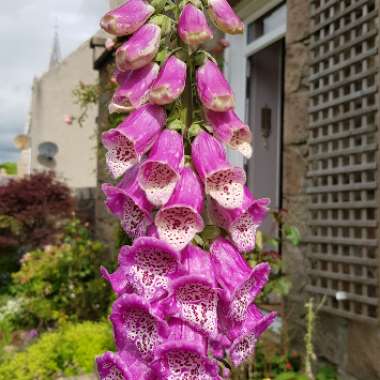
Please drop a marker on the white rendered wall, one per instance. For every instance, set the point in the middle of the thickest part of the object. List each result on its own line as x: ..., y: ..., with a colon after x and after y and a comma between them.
x: 52, y: 99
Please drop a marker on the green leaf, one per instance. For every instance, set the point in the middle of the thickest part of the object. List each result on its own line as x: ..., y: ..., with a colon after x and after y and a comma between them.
x: 292, y: 234
x: 159, y: 5
x: 162, y: 55
x: 164, y: 22
x: 198, y: 240
x: 176, y: 125
x: 210, y: 232
x: 194, y: 130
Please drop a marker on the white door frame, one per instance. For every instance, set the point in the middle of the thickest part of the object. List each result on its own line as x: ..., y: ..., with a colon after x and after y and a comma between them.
x: 237, y: 55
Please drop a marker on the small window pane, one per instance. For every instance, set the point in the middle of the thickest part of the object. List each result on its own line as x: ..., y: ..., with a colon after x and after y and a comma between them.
x: 267, y: 23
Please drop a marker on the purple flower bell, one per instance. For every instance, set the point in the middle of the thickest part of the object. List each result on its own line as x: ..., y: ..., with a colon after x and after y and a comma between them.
x: 180, y: 219
x: 128, y: 202
x: 132, y: 138
x: 224, y: 17
x: 244, y: 343
x: 229, y: 129
x: 193, y: 297
x: 223, y: 182
x: 150, y: 265
x: 122, y: 366
x: 145, y: 269
x: 140, y: 49
x: 134, y: 90
x: 170, y: 83
x: 127, y: 18
x: 136, y: 327
x: 192, y: 26
x: 159, y: 174
x: 241, y: 223
x: 184, y: 355
x: 240, y: 283
x: 214, y: 91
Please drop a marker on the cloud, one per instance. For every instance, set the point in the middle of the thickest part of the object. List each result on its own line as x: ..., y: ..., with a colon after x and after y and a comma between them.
x: 26, y: 37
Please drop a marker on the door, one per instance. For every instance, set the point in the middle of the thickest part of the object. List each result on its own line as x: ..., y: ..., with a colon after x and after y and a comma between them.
x: 265, y: 98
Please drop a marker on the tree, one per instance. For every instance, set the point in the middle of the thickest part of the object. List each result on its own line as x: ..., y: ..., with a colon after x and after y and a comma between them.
x: 32, y: 210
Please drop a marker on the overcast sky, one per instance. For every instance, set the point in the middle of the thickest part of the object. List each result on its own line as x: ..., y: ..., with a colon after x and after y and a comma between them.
x: 26, y: 38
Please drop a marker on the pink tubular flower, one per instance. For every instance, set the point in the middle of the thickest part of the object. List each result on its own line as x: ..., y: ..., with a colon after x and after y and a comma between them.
x: 240, y: 283
x: 132, y: 138
x: 140, y: 49
x: 128, y: 202
x: 193, y: 297
x: 241, y: 223
x: 214, y: 91
x: 134, y: 90
x: 127, y: 18
x: 192, y: 26
x: 122, y: 366
x: 224, y: 17
x: 228, y: 128
x: 136, y: 327
x: 170, y: 83
x: 244, y: 343
x: 184, y: 355
x: 223, y: 182
x: 159, y: 174
x: 180, y: 219
x: 150, y: 264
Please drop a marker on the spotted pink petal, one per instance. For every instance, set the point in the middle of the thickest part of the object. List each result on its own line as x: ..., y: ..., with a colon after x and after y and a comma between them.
x: 159, y: 174
x: 118, y: 280
x: 241, y: 223
x: 192, y: 26
x: 229, y: 129
x: 244, y: 344
x: 127, y: 18
x: 213, y: 90
x: 240, y: 283
x: 193, y: 297
x: 136, y: 327
x: 140, y: 49
x: 223, y: 182
x: 127, y: 143
x: 150, y: 264
x: 128, y: 202
x: 184, y: 356
x: 134, y: 90
x: 122, y: 366
x: 224, y: 17
x: 180, y: 219
x: 170, y: 83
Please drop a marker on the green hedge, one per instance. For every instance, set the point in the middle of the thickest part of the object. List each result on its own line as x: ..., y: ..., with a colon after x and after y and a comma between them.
x: 69, y: 351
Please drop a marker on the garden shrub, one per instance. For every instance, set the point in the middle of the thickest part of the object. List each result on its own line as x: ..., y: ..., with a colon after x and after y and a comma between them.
x: 32, y: 209
x: 62, y: 282
x: 68, y: 351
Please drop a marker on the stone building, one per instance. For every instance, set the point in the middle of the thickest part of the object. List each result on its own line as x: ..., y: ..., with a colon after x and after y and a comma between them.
x: 305, y: 76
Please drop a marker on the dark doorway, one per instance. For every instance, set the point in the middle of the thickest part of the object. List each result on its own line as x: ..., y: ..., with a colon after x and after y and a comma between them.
x: 265, y: 92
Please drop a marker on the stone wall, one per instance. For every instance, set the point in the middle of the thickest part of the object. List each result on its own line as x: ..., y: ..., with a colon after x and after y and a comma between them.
x: 295, y: 152
x: 352, y: 346
x: 106, y: 225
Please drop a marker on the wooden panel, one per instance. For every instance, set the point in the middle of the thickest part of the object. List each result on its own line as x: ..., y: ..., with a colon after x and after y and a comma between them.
x: 343, y: 163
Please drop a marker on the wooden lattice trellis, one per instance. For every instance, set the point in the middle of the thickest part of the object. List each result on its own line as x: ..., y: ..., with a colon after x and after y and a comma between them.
x: 343, y: 244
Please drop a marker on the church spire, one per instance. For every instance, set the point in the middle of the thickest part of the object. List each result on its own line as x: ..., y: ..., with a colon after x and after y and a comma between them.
x: 55, y: 57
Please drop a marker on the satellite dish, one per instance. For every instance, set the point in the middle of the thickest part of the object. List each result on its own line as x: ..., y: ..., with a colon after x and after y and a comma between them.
x: 22, y: 142
x: 46, y: 153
